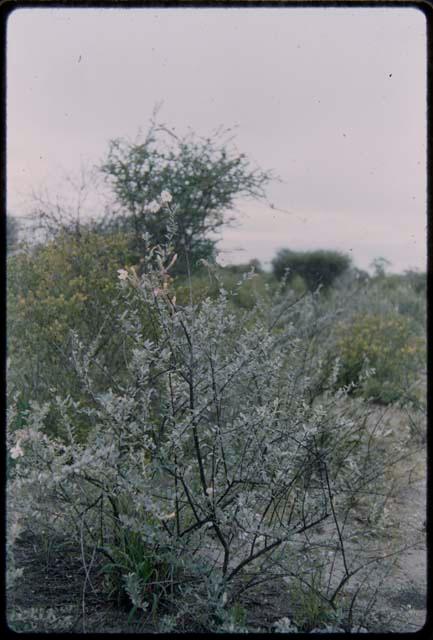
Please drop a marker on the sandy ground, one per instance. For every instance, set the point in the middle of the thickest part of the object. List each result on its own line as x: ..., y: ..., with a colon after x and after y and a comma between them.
x: 404, y: 594
x: 401, y: 604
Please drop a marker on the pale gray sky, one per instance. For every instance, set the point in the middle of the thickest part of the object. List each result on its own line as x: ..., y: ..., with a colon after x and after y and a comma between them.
x: 334, y: 100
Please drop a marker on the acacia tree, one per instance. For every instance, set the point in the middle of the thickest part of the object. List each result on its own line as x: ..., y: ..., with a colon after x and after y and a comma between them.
x: 204, y: 176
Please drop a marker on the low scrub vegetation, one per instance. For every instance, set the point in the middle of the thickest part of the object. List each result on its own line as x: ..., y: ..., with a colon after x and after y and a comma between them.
x: 199, y: 439
x: 391, y: 347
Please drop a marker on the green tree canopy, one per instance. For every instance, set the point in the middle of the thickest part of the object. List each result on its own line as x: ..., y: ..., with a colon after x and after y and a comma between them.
x: 315, y: 267
x: 204, y: 176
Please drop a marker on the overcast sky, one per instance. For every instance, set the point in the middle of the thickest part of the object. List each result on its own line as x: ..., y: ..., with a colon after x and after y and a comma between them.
x: 333, y: 100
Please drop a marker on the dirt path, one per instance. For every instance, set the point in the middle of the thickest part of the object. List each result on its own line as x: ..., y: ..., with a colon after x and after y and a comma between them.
x: 404, y: 594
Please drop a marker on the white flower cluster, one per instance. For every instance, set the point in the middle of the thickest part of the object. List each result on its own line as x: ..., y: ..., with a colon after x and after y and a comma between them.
x: 153, y: 207
x: 285, y: 625
x: 23, y: 434
x: 123, y: 274
x: 164, y: 198
x: 16, y: 451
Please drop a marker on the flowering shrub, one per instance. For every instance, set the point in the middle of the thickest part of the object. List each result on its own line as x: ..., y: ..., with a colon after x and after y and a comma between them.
x: 211, y: 463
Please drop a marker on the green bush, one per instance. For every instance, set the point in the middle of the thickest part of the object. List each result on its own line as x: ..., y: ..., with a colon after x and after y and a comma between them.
x: 387, y: 344
x: 406, y: 293
x: 417, y: 280
x: 315, y: 267
x: 67, y: 284
x: 207, y: 283
x: 244, y: 268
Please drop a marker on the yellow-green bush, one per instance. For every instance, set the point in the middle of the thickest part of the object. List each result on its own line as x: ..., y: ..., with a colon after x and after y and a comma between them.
x: 386, y: 343
x: 68, y: 283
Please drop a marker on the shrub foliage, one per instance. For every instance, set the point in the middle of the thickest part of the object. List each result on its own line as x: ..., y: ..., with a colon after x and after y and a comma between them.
x: 214, y: 456
x: 315, y: 267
